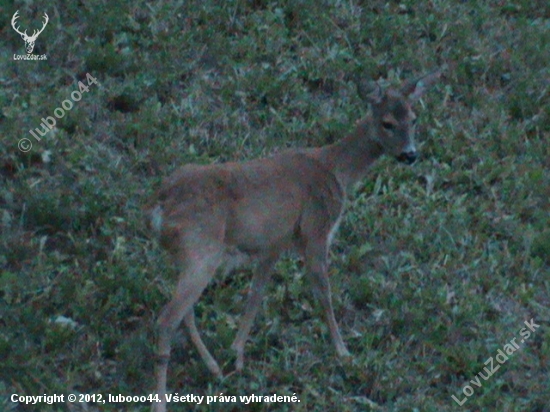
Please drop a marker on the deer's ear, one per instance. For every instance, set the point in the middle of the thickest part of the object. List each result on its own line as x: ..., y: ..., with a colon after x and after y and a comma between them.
x: 370, y: 92
x: 415, y: 88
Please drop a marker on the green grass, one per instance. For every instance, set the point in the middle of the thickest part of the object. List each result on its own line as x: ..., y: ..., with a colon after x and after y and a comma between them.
x: 435, y: 268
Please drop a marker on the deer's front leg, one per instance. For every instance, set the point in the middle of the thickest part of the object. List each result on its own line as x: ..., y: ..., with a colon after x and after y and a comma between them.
x: 316, y: 265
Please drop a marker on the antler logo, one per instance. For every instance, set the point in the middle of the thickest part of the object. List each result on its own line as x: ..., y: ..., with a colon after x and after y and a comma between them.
x: 29, y: 40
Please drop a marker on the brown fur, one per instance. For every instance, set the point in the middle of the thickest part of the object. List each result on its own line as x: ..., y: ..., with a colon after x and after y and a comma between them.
x: 226, y: 215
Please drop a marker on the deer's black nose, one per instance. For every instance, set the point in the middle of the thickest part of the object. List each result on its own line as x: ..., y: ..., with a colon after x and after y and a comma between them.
x: 407, y: 157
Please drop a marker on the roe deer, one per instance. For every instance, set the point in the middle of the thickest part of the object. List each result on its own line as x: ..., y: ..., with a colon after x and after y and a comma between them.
x: 216, y: 217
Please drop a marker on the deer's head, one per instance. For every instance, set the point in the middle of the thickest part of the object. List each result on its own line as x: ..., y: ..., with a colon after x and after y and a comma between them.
x: 394, y: 119
x: 29, y: 40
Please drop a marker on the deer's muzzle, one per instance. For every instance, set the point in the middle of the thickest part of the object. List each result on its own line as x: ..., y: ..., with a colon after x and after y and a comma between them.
x: 407, y: 157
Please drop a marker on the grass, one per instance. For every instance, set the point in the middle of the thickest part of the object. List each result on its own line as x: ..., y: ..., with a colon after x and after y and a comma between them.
x: 435, y: 268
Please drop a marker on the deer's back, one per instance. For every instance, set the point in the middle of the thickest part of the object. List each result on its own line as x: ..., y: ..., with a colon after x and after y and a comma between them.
x: 254, y: 206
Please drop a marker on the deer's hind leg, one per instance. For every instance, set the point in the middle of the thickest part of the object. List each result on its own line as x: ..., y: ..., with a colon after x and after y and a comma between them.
x: 189, y: 320
x: 199, y: 262
x: 260, y: 281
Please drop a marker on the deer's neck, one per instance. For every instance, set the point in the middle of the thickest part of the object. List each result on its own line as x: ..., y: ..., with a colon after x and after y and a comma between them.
x: 351, y: 157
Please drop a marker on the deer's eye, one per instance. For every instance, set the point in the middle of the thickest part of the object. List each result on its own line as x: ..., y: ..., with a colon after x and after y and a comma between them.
x: 388, y: 125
